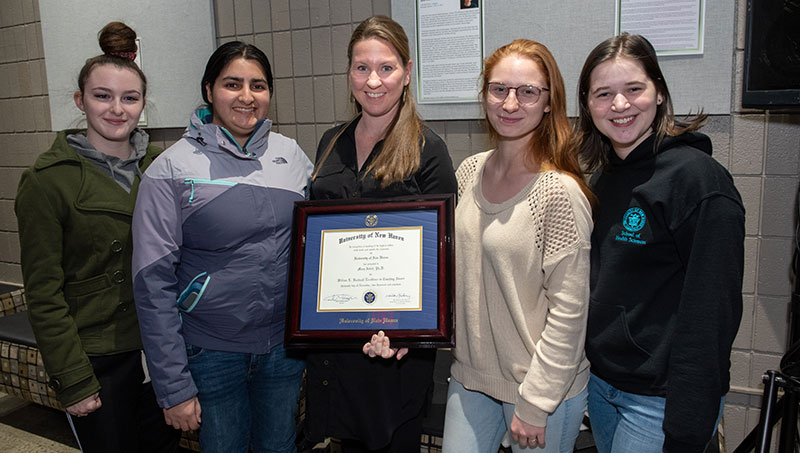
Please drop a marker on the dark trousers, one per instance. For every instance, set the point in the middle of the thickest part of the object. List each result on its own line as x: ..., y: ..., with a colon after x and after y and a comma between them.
x: 129, y: 420
x: 406, y: 438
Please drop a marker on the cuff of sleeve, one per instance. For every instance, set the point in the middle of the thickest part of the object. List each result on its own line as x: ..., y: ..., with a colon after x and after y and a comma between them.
x: 176, y: 398
x: 672, y: 445
x: 76, y: 392
x: 530, y: 414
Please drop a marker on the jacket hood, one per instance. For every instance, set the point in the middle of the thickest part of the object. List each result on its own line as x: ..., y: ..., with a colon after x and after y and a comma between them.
x: 645, y: 151
x: 62, y: 151
x: 139, y: 141
x: 693, y: 139
x: 124, y: 171
x: 214, y: 137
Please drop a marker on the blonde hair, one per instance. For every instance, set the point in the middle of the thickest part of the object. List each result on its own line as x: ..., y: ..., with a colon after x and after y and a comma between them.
x: 400, y: 155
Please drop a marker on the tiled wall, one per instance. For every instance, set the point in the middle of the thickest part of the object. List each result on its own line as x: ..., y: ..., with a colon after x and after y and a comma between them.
x: 765, y: 162
x: 24, y: 115
x: 306, y: 41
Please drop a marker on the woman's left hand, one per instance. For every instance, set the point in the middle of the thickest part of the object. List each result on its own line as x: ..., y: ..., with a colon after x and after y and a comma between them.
x: 379, y: 346
x: 526, y: 435
x: 85, y: 406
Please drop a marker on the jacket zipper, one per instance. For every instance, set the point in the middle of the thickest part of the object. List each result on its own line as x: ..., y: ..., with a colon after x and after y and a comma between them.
x: 191, y: 182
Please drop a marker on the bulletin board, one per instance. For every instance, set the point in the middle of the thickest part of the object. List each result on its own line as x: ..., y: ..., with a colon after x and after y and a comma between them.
x: 177, y: 37
x: 572, y: 28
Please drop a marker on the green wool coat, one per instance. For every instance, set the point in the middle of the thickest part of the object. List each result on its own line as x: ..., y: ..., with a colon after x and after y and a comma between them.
x: 75, y: 240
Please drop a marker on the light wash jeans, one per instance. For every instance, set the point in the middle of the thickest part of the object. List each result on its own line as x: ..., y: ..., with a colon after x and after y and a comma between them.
x: 246, y: 399
x: 625, y: 422
x: 475, y: 422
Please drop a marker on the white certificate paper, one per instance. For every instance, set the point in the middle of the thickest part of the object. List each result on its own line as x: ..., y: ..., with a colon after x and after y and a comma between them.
x: 675, y: 27
x: 449, y: 50
x: 377, y: 269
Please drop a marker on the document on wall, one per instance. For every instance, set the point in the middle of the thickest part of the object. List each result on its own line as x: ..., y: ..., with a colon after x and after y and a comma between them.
x: 138, y: 61
x: 449, y: 50
x: 675, y: 27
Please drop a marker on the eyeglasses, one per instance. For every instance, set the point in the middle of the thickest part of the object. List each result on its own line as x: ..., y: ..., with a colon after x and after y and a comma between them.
x: 526, y: 94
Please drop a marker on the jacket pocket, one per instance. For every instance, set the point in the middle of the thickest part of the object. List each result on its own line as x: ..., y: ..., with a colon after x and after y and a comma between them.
x: 609, y: 343
x: 196, y: 184
x: 87, y: 286
x: 193, y: 352
x: 92, y: 303
x: 191, y: 295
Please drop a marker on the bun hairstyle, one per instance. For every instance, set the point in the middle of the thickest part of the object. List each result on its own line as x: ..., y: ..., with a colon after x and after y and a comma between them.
x: 118, y: 43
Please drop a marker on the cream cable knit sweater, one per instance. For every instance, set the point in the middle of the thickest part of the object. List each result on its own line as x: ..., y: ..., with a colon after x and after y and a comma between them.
x: 523, y: 291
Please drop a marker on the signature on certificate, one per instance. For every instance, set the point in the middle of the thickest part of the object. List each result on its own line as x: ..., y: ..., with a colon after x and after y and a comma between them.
x: 339, y: 298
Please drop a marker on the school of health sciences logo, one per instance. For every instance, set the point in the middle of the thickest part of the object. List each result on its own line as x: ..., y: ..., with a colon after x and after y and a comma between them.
x: 634, y: 219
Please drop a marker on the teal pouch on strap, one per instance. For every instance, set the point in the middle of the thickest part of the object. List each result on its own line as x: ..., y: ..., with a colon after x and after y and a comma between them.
x: 190, y: 296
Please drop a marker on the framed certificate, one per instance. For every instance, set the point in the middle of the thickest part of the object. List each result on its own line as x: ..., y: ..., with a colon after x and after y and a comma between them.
x: 360, y: 266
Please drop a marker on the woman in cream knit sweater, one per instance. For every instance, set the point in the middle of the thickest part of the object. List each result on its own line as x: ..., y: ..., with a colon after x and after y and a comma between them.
x: 523, y: 224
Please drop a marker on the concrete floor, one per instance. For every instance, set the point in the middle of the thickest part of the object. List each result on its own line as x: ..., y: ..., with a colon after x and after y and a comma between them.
x: 29, y: 428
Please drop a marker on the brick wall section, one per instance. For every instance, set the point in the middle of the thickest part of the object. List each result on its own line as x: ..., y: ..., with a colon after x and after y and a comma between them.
x: 25, y: 129
x: 24, y: 115
x: 765, y: 161
x: 306, y: 41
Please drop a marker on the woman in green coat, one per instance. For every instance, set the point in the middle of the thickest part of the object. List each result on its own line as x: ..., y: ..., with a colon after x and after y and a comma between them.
x: 74, y: 208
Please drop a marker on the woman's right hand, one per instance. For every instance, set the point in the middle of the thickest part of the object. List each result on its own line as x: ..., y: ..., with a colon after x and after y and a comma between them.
x: 527, y: 435
x: 85, y: 406
x: 184, y: 416
x: 379, y: 346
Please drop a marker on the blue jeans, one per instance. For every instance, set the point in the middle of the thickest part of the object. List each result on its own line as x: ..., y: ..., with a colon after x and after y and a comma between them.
x: 246, y: 399
x: 625, y: 422
x: 475, y: 422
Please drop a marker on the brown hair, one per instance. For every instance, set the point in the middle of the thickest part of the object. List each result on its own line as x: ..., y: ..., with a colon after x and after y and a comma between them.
x: 595, y: 147
x: 553, y: 144
x: 400, y: 156
x: 118, y: 43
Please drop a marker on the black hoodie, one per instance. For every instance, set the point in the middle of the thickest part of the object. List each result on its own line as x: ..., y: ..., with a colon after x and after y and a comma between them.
x: 666, y: 280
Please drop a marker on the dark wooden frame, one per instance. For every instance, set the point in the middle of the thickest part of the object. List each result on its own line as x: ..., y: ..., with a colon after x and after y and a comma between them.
x: 442, y: 336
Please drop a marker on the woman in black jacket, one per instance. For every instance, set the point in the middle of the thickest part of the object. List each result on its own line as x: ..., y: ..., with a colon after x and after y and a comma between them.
x: 667, y: 259
x: 376, y: 404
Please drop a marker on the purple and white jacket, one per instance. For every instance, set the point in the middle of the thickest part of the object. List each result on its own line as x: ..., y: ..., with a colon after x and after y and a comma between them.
x: 207, y: 205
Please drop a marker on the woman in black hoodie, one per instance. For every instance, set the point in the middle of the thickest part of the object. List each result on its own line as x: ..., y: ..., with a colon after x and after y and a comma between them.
x: 667, y: 259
